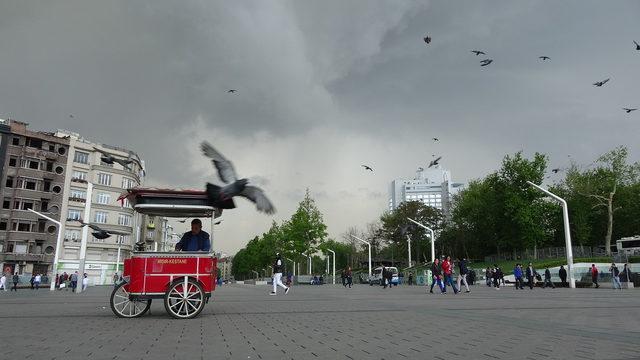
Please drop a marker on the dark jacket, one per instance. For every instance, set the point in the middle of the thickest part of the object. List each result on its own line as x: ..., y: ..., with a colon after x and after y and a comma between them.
x: 531, y: 272
x: 547, y: 274
x: 191, y: 242
x: 16, y: 278
x: 435, y: 270
x: 562, y: 273
x: 277, y: 266
x: 462, y: 265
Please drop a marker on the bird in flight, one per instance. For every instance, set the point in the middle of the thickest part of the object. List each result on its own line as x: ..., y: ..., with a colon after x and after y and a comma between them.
x: 222, y: 196
x: 427, y: 39
x: 367, y: 167
x: 637, y: 45
x: 71, y: 116
x: 478, y: 52
x: 110, y: 159
x: 435, y: 139
x: 98, y: 232
x: 231, y: 91
x: 182, y: 221
x: 486, y: 62
x: 435, y: 162
x: 600, y: 83
x: 629, y: 110
x: 543, y: 58
x: 555, y: 171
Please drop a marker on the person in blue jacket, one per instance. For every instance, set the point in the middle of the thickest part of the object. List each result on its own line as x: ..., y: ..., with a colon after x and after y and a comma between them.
x: 194, y: 240
x: 517, y: 273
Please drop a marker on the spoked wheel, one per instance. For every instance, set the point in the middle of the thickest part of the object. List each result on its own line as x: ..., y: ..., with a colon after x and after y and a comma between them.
x: 123, y: 306
x: 185, y: 299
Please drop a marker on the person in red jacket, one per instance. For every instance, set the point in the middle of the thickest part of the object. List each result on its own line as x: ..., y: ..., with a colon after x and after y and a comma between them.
x: 448, y: 278
x: 594, y: 275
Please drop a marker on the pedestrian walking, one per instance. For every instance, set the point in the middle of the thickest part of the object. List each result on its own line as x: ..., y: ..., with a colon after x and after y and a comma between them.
x: 594, y: 275
x: 436, y: 276
x: 518, y: 273
x: 85, y: 282
x: 562, y: 273
x: 497, y: 276
x: 74, y: 281
x: 32, y: 281
x: 625, y: 274
x: 349, y: 276
x: 16, y: 280
x: 277, y: 276
x: 462, y: 277
x: 447, y: 270
x: 531, y: 275
x: 3, y: 282
x: 547, y: 279
x: 410, y: 278
x: 343, y: 277
x: 37, y: 280
x: 488, y: 275
x: 615, y: 276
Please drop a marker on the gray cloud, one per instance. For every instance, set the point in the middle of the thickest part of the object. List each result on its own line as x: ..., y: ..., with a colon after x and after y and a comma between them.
x: 322, y: 88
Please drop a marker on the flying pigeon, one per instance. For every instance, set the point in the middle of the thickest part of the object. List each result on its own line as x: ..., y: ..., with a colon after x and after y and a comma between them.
x: 71, y: 116
x: 435, y: 139
x: 110, y: 159
x: 98, y: 232
x: 231, y: 91
x: 600, y: 83
x: 637, y: 45
x: 629, y: 110
x: 555, y: 171
x: 543, y: 58
x: 486, y: 62
x: 182, y: 221
x: 367, y: 167
x: 427, y: 39
x: 435, y: 162
x: 478, y: 52
x: 222, y: 196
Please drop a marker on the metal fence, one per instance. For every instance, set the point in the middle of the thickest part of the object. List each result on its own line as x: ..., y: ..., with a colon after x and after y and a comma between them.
x: 547, y: 253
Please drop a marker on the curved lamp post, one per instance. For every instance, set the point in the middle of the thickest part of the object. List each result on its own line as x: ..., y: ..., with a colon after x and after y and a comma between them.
x: 369, y: 245
x: 433, y: 239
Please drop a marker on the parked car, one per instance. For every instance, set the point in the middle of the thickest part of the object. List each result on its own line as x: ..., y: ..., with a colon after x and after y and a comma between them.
x: 376, y: 277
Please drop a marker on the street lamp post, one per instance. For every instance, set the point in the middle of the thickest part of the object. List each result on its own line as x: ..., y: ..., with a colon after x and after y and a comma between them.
x: 567, y: 232
x: 369, y: 245
x: 56, y: 255
x: 334, y: 265
x: 409, y: 248
x: 85, y: 236
x: 255, y: 272
x: 433, y: 239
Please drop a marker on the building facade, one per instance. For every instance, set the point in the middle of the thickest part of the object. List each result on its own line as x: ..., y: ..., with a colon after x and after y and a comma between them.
x: 432, y: 186
x: 34, y: 168
x: 104, y: 257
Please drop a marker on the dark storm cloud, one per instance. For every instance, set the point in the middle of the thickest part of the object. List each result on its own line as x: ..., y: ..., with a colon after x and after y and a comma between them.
x: 324, y: 87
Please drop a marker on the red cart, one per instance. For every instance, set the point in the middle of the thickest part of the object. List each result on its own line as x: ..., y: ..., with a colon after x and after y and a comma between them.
x: 184, y: 280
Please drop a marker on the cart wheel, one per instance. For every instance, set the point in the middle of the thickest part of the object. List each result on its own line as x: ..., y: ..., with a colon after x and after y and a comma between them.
x: 122, y: 306
x: 184, y: 299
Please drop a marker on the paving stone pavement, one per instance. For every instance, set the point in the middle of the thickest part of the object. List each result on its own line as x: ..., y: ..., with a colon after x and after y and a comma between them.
x: 330, y: 322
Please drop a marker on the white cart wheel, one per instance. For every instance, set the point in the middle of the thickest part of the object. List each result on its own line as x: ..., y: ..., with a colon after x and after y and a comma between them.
x: 123, y: 306
x: 185, y: 299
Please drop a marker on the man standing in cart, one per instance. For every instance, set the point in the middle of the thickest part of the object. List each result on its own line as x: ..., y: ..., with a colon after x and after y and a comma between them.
x: 277, y: 276
x: 194, y: 240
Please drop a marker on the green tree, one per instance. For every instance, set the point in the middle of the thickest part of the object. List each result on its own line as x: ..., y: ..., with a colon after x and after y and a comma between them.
x: 305, y: 230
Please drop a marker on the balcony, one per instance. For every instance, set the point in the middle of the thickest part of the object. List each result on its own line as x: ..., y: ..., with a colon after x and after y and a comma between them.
x: 26, y: 257
x: 151, y: 226
x: 77, y: 199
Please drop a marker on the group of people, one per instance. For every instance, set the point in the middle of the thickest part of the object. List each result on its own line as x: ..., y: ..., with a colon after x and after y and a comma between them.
x: 67, y: 281
x: 15, y: 279
x: 615, y: 275
x: 531, y: 275
x: 62, y: 281
x: 347, y: 277
x: 442, y: 273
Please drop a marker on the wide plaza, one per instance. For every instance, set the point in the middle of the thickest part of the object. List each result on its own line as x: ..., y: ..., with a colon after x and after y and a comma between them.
x: 331, y: 322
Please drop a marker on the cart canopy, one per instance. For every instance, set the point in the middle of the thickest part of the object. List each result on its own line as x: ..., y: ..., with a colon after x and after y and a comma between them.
x: 170, y: 202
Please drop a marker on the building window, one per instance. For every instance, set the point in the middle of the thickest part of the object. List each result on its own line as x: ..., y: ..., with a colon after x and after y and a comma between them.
x: 13, y: 161
x: 128, y: 183
x: 124, y: 219
x: 72, y: 235
x: 151, y: 234
x: 103, y: 198
x: 3, y: 224
x: 104, y: 179
x: 79, y: 175
x: 29, y: 184
x: 81, y: 157
x: 78, y: 194
x: 126, y: 203
x: 9, y: 182
x: 30, y: 164
x: 15, y: 141
x: 74, y: 214
x: 101, y: 217
x: 34, y: 143
x: 122, y: 239
x: 6, y: 204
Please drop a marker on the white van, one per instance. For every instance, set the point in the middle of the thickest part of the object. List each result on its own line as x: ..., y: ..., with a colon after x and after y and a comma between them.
x: 376, y: 277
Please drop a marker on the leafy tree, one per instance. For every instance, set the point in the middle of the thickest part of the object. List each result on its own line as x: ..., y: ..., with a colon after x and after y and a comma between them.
x: 305, y: 230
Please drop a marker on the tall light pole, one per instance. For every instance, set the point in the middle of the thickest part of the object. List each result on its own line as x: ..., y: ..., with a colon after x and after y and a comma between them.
x: 433, y: 239
x: 334, y: 265
x: 409, y: 248
x: 369, y: 245
x: 85, y: 236
x: 56, y: 255
x: 567, y: 232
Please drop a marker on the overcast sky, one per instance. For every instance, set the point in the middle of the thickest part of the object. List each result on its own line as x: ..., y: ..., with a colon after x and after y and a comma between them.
x: 324, y: 87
